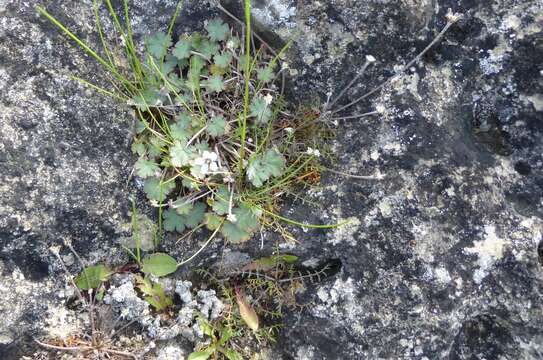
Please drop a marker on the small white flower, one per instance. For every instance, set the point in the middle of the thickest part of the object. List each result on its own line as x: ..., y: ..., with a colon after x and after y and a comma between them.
x: 231, y: 217
x: 380, y: 109
x: 268, y: 99
x: 370, y: 58
x: 313, y: 152
x: 284, y: 65
x: 228, y: 178
x: 289, y: 130
x: 230, y: 44
x: 205, y: 164
x: 125, y: 312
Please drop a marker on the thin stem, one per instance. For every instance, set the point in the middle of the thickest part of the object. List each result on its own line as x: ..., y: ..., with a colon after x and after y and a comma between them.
x: 351, y: 83
x: 312, y: 226
x: 403, y: 69
x: 247, y: 76
x: 357, y: 116
x: 203, y: 247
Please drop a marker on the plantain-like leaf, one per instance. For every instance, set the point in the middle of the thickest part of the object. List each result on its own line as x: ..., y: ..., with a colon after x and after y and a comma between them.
x: 159, y: 264
x: 200, y: 355
x: 92, y: 277
x: 232, y: 354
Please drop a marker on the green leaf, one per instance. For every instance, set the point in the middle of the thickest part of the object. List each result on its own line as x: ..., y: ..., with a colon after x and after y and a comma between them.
x: 147, y: 98
x: 205, y: 326
x: 212, y: 221
x: 217, y: 30
x: 92, y: 277
x: 270, y: 262
x: 233, y: 43
x: 226, y: 334
x: 180, y: 132
x: 208, y: 48
x: 140, y: 127
x: 146, y: 168
x: 195, y: 216
x: 197, y: 63
x: 182, y: 49
x: 175, y: 82
x: 159, y: 264
x: 173, y: 221
x: 217, y: 126
x: 223, y: 60
x: 265, y: 74
x: 232, y: 354
x: 138, y: 148
x: 181, y: 206
x: 180, y: 154
x: 214, y: 84
x: 262, y: 168
x: 155, y: 146
x: 246, y: 220
x: 189, y: 184
x: 156, y: 189
x: 221, y: 202
x: 167, y: 66
x: 158, y: 44
x: 199, y: 355
x: 233, y: 233
x: 260, y: 110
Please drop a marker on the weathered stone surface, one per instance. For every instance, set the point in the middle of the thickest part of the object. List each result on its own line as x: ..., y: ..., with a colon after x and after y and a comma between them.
x: 440, y: 259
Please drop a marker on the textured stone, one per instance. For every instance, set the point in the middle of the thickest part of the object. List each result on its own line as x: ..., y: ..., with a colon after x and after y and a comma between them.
x: 440, y: 258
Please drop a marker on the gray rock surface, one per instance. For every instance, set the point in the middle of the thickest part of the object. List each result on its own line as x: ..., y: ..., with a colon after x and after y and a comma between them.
x: 440, y: 259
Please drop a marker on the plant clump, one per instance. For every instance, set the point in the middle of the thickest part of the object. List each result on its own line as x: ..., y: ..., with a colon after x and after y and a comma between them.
x: 211, y: 139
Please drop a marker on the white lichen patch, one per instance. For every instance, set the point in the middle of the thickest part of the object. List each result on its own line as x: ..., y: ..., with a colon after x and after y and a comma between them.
x: 276, y: 13
x: 345, y: 233
x: 489, y: 250
x: 340, y: 301
x: 61, y: 323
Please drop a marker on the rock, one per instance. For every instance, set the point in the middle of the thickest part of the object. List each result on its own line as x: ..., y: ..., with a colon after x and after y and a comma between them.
x: 440, y: 257
x: 442, y: 254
